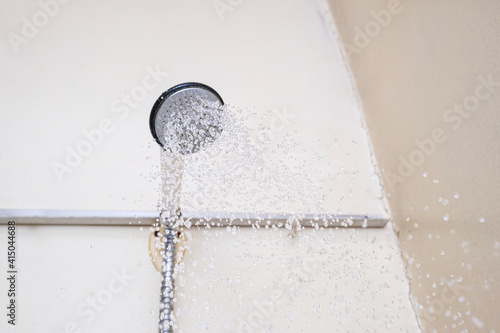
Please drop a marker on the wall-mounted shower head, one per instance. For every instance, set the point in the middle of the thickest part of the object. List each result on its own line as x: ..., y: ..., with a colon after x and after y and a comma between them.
x: 183, y: 120
x: 186, y: 118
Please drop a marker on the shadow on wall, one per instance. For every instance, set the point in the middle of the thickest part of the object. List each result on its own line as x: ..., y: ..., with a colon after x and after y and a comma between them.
x: 429, y: 80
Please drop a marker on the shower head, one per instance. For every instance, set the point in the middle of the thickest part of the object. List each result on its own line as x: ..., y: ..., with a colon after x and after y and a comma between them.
x: 186, y: 118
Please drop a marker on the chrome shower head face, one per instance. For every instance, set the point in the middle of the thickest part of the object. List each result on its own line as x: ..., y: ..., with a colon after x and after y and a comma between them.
x: 186, y: 118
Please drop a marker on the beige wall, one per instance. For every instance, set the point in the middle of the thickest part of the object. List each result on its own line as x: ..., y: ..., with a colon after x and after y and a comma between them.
x: 263, y: 57
x: 414, y: 70
x: 277, y: 56
x: 71, y: 280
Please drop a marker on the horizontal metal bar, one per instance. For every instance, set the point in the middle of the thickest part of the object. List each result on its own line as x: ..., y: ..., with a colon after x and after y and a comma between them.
x: 141, y: 218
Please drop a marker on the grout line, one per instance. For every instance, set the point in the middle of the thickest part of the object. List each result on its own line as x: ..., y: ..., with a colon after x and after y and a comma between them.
x: 141, y: 218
